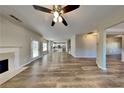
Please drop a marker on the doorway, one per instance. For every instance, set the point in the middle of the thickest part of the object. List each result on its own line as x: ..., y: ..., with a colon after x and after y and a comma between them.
x: 114, y: 44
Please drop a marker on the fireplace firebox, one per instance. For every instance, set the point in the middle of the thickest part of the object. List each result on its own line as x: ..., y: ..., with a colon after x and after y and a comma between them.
x: 3, y: 66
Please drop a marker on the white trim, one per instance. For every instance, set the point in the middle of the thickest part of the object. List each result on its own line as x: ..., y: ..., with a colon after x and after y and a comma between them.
x: 85, y: 56
x: 31, y: 61
x: 122, y: 60
x: 5, y: 77
x: 72, y: 55
x: 104, y: 69
x: 75, y: 56
x: 16, y: 52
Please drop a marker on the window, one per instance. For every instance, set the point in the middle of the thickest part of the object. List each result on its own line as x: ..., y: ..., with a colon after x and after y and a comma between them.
x: 44, y: 46
x: 35, y: 48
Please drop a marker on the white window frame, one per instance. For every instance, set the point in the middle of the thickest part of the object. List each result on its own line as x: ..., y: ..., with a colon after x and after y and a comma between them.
x: 35, y: 48
x: 44, y: 46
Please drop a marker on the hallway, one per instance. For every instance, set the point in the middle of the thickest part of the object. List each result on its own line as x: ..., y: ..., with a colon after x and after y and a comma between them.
x: 62, y: 70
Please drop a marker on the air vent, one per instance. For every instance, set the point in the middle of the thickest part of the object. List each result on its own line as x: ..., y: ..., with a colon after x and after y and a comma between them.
x: 90, y: 32
x: 17, y: 19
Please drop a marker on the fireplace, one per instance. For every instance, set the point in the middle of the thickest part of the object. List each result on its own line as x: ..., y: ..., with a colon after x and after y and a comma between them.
x: 4, y: 66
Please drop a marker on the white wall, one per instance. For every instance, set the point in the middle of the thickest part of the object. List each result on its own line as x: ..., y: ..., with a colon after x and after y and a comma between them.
x: 113, y: 45
x: 86, y: 46
x: 12, y: 35
x: 83, y: 46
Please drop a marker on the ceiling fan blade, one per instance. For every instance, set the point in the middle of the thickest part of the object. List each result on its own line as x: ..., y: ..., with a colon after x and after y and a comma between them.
x: 64, y: 22
x: 43, y: 9
x: 53, y: 23
x: 70, y: 8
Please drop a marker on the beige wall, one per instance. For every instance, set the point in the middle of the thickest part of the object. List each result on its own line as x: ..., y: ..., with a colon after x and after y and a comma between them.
x: 86, y: 45
x: 113, y: 45
x: 83, y: 45
x: 16, y: 36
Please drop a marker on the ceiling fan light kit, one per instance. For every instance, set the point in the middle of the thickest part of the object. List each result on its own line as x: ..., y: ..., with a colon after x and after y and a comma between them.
x: 60, y: 19
x: 55, y: 19
x: 57, y: 11
x: 56, y: 14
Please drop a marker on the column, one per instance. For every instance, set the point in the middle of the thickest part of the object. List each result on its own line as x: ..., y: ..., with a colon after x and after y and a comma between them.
x: 122, y: 51
x: 101, y: 49
x: 49, y: 46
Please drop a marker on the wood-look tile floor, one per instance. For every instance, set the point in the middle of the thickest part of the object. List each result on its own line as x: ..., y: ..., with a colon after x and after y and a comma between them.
x: 62, y: 70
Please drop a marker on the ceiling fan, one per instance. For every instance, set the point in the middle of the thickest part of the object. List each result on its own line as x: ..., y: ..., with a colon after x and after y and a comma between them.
x: 57, y: 11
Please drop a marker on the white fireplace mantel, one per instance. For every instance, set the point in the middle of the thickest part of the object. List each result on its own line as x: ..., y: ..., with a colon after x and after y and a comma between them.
x: 17, y: 68
x: 16, y: 55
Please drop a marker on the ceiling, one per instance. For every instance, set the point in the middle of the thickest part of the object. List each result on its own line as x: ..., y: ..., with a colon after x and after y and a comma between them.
x: 116, y: 29
x: 79, y: 21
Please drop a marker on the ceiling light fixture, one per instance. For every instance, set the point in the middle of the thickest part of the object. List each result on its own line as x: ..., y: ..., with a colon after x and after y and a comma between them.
x: 55, y: 19
x: 56, y: 14
x: 57, y: 11
x: 60, y: 19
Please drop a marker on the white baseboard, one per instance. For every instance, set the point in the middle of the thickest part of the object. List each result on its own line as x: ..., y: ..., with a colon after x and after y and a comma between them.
x: 104, y: 69
x: 122, y: 60
x: 75, y: 56
x: 85, y: 56
x: 8, y: 75
x: 31, y: 61
x: 72, y: 55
